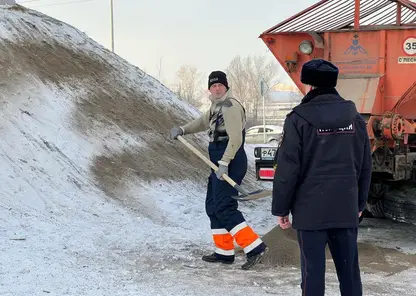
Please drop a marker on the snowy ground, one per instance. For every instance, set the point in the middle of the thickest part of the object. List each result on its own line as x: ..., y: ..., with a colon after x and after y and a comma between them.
x: 77, y: 221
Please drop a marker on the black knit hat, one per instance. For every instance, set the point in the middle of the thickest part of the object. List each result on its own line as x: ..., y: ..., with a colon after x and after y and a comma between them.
x: 319, y: 73
x: 217, y: 77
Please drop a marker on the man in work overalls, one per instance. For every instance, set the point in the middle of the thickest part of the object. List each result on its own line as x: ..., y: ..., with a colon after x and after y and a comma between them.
x: 323, y: 178
x: 225, y: 122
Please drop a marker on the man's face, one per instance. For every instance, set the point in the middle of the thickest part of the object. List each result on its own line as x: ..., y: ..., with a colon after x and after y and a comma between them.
x: 217, y: 90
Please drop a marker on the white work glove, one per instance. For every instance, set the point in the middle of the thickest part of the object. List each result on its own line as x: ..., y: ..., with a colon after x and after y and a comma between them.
x: 222, y: 169
x: 175, y: 132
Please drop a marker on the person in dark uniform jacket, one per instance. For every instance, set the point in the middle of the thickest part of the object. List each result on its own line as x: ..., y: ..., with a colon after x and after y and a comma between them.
x: 323, y: 178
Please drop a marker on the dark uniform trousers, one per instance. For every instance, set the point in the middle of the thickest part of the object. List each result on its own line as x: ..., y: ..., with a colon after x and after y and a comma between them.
x: 227, y: 222
x: 342, y: 243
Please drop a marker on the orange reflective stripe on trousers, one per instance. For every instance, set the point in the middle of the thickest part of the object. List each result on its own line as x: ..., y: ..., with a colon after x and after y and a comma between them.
x: 245, y: 237
x: 224, y: 242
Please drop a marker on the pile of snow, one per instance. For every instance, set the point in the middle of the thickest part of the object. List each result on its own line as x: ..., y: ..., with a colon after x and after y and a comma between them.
x: 95, y: 199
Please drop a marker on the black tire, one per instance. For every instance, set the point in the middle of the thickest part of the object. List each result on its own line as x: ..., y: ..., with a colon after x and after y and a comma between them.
x: 375, y: 203
x: 400, y: 203
x: 376, y: 208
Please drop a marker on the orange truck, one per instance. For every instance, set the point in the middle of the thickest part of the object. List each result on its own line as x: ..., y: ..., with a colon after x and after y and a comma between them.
x: 373, y: 43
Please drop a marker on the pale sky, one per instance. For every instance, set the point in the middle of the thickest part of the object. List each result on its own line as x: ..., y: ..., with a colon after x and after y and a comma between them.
x: 204, y: 33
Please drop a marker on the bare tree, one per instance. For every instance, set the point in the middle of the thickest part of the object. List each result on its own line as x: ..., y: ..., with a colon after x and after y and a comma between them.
x: 189, y: 85
x: 238, y: 79
x: 245, y: 74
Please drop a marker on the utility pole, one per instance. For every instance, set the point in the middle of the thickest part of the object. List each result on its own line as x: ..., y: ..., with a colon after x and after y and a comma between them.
x: 262, y: 89
x: 112, y: 25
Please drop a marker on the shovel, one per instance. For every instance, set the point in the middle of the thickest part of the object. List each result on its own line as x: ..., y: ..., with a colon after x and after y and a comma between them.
x: 244, y: 195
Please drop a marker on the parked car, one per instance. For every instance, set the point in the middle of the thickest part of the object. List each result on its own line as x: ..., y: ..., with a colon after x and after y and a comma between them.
x: 255, y: 134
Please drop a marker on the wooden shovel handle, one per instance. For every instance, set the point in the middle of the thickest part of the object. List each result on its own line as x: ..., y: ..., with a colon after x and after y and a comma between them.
x: 207, y: 161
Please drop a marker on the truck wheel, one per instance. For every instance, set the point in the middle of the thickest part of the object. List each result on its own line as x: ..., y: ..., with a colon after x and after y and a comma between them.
x: 375, y: 203
x: 376, y: 208
x: 400, y: 203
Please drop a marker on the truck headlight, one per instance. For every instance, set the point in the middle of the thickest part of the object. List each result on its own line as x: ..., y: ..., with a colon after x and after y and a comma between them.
x: 306, y: 47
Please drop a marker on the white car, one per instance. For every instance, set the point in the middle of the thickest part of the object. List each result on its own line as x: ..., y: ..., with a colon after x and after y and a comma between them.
x: 256, y: 134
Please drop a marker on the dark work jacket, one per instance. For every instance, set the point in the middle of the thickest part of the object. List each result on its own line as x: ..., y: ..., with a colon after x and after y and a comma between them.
x: 324, y: 163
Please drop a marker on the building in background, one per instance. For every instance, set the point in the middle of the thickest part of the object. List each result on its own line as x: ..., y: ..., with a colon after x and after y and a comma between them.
x: 279, y: 101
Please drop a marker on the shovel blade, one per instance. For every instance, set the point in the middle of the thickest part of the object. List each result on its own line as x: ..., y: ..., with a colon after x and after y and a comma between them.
x: 253, y: 195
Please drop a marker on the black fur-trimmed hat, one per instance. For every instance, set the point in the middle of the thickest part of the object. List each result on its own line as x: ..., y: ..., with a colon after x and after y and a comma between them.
x: 319, y: 73
x: 217, y: 77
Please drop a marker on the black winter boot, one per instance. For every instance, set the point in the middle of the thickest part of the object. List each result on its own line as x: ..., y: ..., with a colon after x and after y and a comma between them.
x: 253, y: 260
x: 216, y: 258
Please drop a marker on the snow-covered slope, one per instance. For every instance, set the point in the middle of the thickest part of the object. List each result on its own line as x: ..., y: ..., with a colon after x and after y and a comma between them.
x: 94, y: 197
